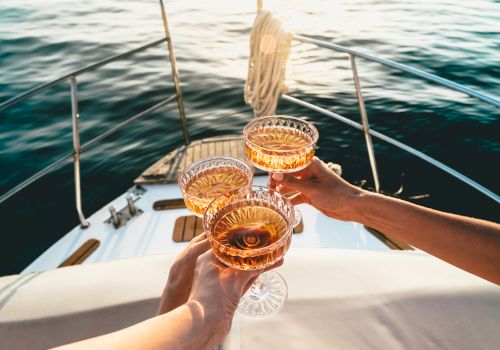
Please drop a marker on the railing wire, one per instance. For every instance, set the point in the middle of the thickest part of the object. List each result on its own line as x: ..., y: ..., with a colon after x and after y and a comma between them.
x: 398, y: 144
x: 402, y: 67
x: 84, y: 147
x: 37, y: 89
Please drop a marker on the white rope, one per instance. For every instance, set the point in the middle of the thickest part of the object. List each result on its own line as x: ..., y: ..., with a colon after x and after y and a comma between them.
x: 269, y: 49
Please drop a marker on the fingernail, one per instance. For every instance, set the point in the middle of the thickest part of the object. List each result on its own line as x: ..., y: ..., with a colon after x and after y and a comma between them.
x: 278, y: 176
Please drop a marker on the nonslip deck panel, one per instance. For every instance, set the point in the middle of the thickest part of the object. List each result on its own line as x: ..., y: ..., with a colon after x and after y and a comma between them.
x: 188, y: 227
x: 167, y: 169
x: 82, y: 253
x: 167, y: 204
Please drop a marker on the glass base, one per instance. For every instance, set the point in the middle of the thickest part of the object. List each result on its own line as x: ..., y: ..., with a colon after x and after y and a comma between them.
x: 265, y: 298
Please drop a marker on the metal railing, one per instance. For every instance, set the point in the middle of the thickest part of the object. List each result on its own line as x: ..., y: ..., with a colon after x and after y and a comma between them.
x: 364, y: 126
x: 364, y: 118
x: 77, y: 148
x: 402, y: 67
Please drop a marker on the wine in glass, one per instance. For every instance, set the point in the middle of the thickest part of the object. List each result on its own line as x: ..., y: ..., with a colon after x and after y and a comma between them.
x: 280, y: 144
x: 204, y: 180
x: 250, y: 230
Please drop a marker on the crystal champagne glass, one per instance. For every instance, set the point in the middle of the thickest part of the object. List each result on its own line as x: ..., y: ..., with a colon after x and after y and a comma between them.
x: 251, y: 230
x: 280, y: 144
x: 204, y: 180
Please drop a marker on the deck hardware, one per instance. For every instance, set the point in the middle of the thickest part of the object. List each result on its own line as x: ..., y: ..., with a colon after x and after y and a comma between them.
x: 167, y: 204
x: 120, y: 217
x: 136, y: 191
x: 114, y: 216
x: 131, y: 206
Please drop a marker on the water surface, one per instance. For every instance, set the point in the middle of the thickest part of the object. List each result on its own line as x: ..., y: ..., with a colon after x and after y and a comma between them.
x: 41, y: 40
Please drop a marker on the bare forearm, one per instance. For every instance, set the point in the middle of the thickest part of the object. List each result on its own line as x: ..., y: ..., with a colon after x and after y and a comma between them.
x: 471, y: 244
x: 173, y: 296
x: 190, y: 326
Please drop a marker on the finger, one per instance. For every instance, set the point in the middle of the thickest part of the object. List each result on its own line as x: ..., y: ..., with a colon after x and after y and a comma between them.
x: 290, y: 181
x: 201, y: 247
x: 199, y: 238
x: 243, y: 278
x: 277, y: 176
x: 302, y: 173
x: 205, y: 257
x: 270, y: 182
x: 299, y: 198
x: 249, y: 284
x: 294, y: 184
x: 287, y: 191
x: 284, y: 188
x: 308, y: 171
x: 209, y: 258
x: 318, y: 167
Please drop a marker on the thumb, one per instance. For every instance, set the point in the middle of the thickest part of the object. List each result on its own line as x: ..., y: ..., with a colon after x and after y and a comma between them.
x: 244, y: 278
x: 295, y: 184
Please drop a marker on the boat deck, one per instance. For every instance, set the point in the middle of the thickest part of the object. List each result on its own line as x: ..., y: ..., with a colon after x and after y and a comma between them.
x: 152, y: 231
x: 161, y: 224
x: 166, y: 169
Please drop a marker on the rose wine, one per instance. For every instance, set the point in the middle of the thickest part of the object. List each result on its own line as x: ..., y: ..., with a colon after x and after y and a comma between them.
x: 279, y: 148
x: 241, y: 229
x: 208, y: 184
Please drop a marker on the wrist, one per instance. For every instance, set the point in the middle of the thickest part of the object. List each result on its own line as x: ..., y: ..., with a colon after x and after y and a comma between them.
x: 177, y: 277
x: 215, y: 310
x: 358, y: 204
x: 214, y: 322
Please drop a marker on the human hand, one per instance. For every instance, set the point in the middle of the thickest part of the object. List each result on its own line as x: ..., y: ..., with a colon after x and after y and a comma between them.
x: 320, y: 187
x: 180, y: 277
x: 217, y: 289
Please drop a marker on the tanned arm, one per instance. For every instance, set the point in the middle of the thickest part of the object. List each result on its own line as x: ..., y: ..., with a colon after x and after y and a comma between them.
x: 470, y: 244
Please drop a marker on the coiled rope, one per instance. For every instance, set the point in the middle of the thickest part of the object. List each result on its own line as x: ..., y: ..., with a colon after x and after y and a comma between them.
x: 269, y: 50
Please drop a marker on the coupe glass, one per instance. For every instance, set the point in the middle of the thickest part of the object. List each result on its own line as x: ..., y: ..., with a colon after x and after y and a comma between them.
x: 280, y: 144
x: 251, y: 231
x: 204, y: 180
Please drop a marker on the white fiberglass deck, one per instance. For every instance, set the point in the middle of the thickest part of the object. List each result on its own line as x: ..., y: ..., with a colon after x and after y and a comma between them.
x: 151, y: 232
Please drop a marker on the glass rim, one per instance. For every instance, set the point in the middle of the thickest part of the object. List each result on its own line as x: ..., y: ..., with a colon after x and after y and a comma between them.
x: 258, y: 251
x: 285, y: 117
x: 206, y: 159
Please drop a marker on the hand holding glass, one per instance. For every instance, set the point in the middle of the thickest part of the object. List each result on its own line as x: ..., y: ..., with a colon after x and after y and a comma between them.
x: 280, y: 144
x: 251, y: 230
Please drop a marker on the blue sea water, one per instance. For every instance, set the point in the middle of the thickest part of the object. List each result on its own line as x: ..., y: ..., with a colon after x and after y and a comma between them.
x: 41, y: 40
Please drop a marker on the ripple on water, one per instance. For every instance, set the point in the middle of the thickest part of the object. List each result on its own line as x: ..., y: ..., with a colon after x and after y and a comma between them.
x: 42, y: 40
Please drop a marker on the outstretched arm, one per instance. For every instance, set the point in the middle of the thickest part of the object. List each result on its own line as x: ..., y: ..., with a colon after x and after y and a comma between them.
x: 470, y: 244
x: 196, y: 309
x: 190, y: 326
